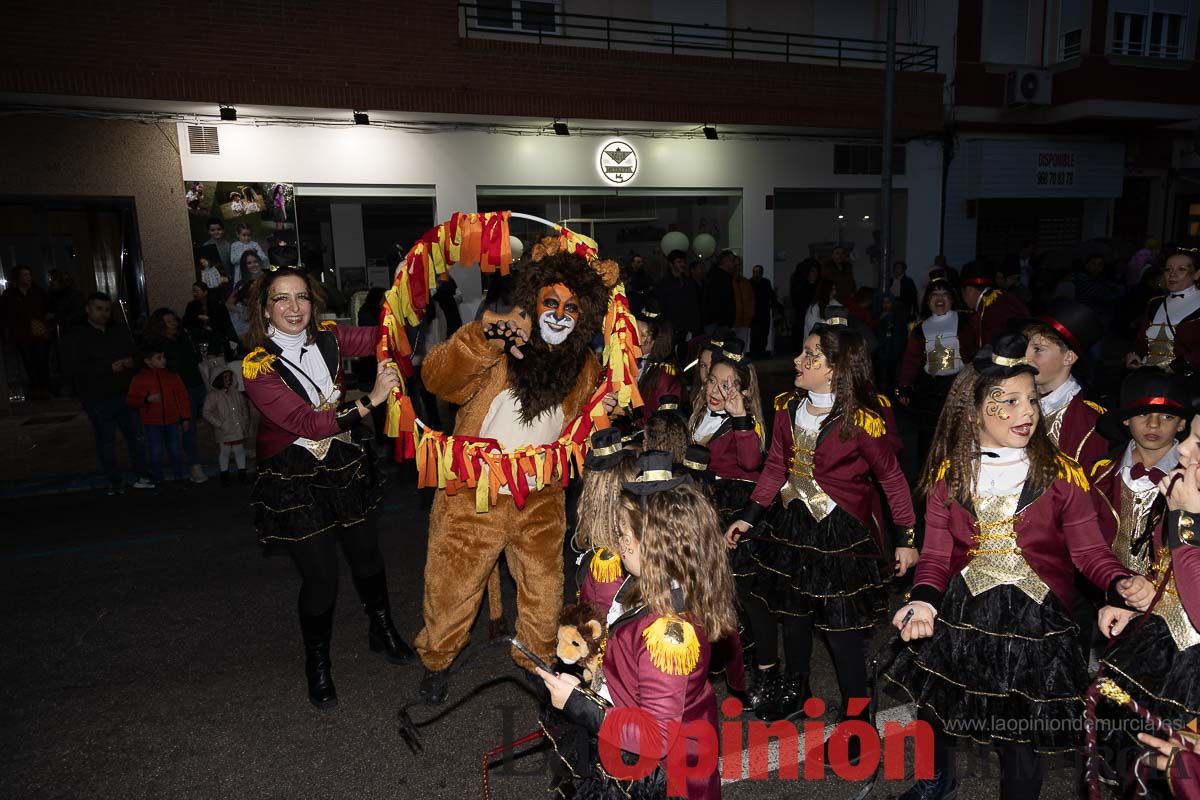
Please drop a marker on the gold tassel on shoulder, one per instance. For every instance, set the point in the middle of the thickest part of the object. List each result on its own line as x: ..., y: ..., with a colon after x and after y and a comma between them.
x: 782, y: 399
x: 258, y: 362
x: 871, y: 423
x: 667, y: 367
x: 940, y: 472
x: 884, y: 401
x: 1100, y: 465
x: 1070, y: 471
x: 673, y: 645
x: 605, y: 566
x: 327, y: 325
x: 1099, y: 409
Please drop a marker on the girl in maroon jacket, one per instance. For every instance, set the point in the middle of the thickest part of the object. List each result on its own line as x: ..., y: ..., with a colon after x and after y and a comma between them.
x: 315, y: 485
x: 658, y: 374
x: 820, y: 559
x: 1008, y: 519
x: 1156, y: 660
x: 656, y: 653
x: 728, y: 425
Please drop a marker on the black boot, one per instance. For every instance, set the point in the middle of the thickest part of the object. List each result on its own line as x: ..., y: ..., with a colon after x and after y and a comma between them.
x: 242, y: 476
x: 788, y: 700
x: 226, y: 480
x: 435, y: 685
x: 758, y: 681
x: 382, y: 636
x: 317, y: 631
x: 942, y: 786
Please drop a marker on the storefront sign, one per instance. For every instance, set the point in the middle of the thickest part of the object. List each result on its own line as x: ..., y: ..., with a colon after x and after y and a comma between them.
x: 618, y: 162
x: 1055, y: 168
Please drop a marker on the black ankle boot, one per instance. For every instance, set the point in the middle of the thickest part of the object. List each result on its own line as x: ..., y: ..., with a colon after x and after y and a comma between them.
x: 788, y: 699
x: 242, y: 476
x: 435, y: 685
x: 226, y: 480
x: 382, y: 636
x: 758, y: 682
x: 942, y: 786
x: 317, y: 631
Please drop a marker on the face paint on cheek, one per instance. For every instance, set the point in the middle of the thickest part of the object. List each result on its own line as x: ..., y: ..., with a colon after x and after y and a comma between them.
x: 994, y: 407
x: 557, y: 312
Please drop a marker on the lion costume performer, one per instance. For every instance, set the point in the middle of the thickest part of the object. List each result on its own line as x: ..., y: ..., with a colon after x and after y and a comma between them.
x: 518, y: 393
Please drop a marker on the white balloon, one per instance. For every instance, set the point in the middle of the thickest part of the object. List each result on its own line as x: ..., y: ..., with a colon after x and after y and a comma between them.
x: 517, y: 247
x: 675, y: 240
x: 704, y: 245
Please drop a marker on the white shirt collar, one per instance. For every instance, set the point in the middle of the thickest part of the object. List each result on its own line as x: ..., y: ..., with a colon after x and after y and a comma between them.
x: 1187, y: 293
x: 1003, y: 474
x: 1057, y: 399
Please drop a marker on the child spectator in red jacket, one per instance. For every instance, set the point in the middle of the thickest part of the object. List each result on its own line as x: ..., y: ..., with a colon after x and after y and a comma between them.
x: 162, y: 402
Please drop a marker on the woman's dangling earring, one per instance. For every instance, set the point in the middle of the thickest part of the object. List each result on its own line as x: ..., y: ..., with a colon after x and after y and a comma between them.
x: 270, y: 329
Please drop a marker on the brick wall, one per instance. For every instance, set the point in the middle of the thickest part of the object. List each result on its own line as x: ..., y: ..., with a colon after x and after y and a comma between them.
x: 407, y: 56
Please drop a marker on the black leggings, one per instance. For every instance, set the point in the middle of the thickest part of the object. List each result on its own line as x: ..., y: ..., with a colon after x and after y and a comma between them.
x: 316, y: 558
x: 1021, y: 771
x: 846, y: 648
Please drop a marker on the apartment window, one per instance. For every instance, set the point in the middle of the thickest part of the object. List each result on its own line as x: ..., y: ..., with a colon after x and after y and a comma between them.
x: 865, y: 159
x: 1153, y: 28
x: 1070, y: 30
x: 525, y: 16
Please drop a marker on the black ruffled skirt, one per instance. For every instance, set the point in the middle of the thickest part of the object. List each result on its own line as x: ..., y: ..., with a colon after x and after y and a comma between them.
x: 730, y: 497
x: 296, y: 496
x: 998, y: 668
x: 830, y: 569
x: 1162, y: 678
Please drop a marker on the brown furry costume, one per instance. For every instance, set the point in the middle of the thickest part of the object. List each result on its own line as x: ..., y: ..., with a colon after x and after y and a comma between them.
x: 469, y: 370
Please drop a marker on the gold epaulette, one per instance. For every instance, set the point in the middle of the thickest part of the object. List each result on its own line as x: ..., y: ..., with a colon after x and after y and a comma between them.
x: 942, y: 469
x: 871, y: 423
x: 884, y: 400
x: 667, y: 367
x: 1099, y: 409
x: 326, y: 324
x: 991, y: 297
x: 256, y: 363
x: 1070, y: 471
x: 782, y: 399
x: 605, y: 566
x: 673, y: 645
x: 1099, y: 465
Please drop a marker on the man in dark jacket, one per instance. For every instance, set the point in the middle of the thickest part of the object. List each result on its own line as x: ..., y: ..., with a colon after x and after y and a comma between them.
x: 24, y: 307
x: 98, y: 358
x: 717, y: 301
x: 764, y: 304
x: 679, y: 299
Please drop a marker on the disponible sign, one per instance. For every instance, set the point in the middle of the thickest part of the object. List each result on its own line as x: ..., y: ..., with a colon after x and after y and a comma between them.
x: 1055, y: 169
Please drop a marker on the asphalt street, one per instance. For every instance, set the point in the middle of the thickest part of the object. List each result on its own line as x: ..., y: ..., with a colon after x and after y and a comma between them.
x: 152, y: 651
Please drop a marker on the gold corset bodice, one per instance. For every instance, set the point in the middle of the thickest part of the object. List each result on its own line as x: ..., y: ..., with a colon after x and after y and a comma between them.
x: 801, y: 484
x: 1161, y: 349
x: 1169, y: 609
x: 996, y: 559
x: 320, y: 447
x: 1135, y: 511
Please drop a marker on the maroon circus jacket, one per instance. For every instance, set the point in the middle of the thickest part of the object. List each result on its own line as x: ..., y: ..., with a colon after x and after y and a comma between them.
x: 279, y: 394
x: 842, y: 470
x: 1056, y: 532
x: 735, y: 450
x: 665, y: 383
x: 914, y: 352
x: 996, y: 309
x: 1106, y: 494
x: 635, y: 682
x: 599, y: 580
x: 1184, y: 775
x: 1181, y: 532
x: 1078, y: 437
x: 1186, y: 342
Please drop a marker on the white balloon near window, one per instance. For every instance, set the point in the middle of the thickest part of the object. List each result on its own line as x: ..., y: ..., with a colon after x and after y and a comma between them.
x: 704, y: 245
x: 675, y: 240
x: 517, y: 247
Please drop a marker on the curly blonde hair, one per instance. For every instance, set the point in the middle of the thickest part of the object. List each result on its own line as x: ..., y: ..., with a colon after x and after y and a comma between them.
x: 679, y: 534
x: 597, y: 515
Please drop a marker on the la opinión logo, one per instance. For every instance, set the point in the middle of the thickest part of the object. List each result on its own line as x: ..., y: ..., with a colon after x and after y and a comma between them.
x: 692, y: 748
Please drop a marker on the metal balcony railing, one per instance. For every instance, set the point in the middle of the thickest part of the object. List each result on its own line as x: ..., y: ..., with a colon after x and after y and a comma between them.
x: 548, y: 26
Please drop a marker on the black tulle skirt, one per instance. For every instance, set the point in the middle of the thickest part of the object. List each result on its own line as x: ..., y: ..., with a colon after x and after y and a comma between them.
x: 998, y: 668
x: 296, y: 496
x: 730, y: 497
x: 830, y: 569
x: 1159, y: 676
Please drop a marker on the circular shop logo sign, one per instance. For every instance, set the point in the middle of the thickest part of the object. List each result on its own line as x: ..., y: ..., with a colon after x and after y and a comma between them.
x: 618, y: 162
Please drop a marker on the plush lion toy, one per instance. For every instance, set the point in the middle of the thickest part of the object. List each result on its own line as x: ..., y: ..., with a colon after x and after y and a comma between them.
x: 518, y: 380
x: 581, y: 631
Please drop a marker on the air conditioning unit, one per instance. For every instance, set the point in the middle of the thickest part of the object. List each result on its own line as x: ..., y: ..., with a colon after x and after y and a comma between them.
x: 1027, y: 87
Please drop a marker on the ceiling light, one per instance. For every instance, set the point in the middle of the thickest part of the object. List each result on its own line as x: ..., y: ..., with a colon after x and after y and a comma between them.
x: 710, y: 133
x: 361, y: 118
x: 228, y: 113
x: 560, y: 129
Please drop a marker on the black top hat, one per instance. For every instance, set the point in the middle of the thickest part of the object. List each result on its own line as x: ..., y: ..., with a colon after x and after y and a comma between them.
x: 1004, y: 358
x: 655, y: 474
x: 731, y: 350
x: 668, y: 402
x: 978, y: 274
x: 1076, y: 324
x: 697, y: 458
x: 1147, y: 390
x: 608, y: 450
x: 649, y: 312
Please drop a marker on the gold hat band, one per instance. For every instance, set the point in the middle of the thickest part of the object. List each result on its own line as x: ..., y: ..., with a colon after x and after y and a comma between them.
x: 695, y: 465
x: 610, y: 450
x: 655, y: 475
x: 1005, y: 361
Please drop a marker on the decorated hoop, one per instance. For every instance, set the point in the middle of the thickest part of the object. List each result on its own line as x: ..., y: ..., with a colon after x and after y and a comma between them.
x: 456, y: 463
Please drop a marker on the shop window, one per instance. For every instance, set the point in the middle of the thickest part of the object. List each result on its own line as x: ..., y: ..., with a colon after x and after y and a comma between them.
x: 525, y: 16
x: 1153, y: 28
x: 865, y: 159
